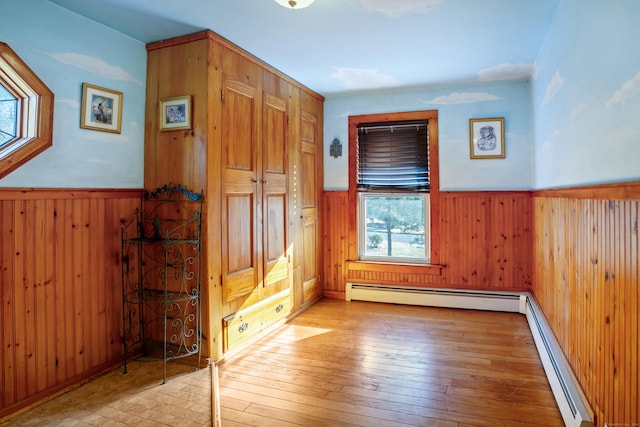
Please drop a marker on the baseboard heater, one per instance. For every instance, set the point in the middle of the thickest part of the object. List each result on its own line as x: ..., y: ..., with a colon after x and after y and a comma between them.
x: 566, y: 390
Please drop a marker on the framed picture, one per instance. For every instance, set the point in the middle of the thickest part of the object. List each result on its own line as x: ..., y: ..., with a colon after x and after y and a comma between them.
x: 101, y: 109
x: 486, y: 138
x: 175, y: 113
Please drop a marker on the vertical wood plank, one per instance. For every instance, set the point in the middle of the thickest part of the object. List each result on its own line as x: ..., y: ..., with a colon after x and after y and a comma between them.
x: 86, y: 283
x: 111, y: 234
x: 55, y: 259
x: 96, y: 274
x: 30, y: 296
x: 77, y: 252
x: 8, y: 290
x: 68, y: 340
x: 597, y: 264
x: 40, y: 352
x: 52, y: 326
x: 20, y: 301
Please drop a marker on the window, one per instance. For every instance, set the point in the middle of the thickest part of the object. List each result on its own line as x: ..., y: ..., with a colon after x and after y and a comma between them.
x: 393, y: 225
x: 394, y: 187
x: 8, y: 116
x: 26, y: 112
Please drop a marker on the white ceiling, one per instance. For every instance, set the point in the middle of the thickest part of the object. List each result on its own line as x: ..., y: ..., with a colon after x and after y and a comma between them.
x: 336, y: 46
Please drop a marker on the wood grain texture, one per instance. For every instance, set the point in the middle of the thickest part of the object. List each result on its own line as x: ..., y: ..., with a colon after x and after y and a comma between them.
x: 336, y: 238
x: 486, y: 240
x: 60, y: 273
x: 485, y: 243
x: 586, y: 280
x: 338, y: 364
x: 576, y: 249
x: 358, y: 363
x: 244, y: 152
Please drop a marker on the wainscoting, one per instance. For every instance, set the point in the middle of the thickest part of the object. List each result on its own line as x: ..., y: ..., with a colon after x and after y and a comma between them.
x: 574, y: 249
x: 586, y: 280
x: 60, y: 311
x: 485, y: 243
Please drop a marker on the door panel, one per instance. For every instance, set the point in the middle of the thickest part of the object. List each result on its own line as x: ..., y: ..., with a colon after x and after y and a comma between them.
x: 309, y: 195
x: 310, y: 206
x: 240, y: 245
x: 310, y: 235
x: 275, y: 232
x: 239, y: 132
x: 275, y: 135
x: 239, y: 232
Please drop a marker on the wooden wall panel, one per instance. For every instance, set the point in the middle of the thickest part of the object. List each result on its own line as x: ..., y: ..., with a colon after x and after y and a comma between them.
x: 484, y: 243
x: 485, y: 240
x: 335, y: 242
x: 60, y: 288
x: 586, y: 280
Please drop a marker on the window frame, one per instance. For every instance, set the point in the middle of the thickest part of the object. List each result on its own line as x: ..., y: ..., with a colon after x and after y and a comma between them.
x: 35, y: 111
x: 431, y: 116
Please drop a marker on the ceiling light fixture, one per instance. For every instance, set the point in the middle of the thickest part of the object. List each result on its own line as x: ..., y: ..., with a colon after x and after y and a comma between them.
x: 294, y: 4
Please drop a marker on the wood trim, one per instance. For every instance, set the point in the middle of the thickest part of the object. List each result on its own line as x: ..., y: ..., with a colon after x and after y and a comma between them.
x: 434, y: 197
x: 67, y: 193
x: 335, y: 295
x: 429, y: 269
x: 217, y: 38
x: 617, y: 191
x: 483, y: 193
x: 40, y: 97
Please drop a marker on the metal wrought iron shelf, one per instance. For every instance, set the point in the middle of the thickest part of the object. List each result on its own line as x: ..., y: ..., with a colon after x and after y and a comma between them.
x: 161, y: 251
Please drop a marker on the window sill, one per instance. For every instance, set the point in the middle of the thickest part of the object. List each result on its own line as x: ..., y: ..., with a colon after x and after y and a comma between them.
x: 391, y: 267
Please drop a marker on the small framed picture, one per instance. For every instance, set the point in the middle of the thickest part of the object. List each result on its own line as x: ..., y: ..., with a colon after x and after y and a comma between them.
x: 101, y: 109
x: 175, y: 113
x: 486, y: 138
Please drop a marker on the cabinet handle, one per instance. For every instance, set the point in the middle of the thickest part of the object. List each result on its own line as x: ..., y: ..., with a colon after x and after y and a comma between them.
x: 265, y: 182
x: 243, y: 327
x: 279, y: 308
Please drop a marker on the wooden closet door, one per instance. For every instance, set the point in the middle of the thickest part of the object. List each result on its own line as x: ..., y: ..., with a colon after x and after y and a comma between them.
x: 310, y: 206
x: 241, y: 267
x: 274, y: 187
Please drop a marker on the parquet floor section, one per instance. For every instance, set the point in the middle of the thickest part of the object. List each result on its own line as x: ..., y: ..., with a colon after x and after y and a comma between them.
x: 337, y: 364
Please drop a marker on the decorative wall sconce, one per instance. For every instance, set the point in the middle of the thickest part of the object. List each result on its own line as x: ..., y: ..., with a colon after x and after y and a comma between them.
x: 335, y: 149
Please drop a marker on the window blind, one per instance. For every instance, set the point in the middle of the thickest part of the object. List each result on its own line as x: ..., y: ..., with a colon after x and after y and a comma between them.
x: 393, y: 157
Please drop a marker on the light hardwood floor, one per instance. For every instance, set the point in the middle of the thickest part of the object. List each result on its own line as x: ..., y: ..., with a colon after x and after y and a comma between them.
x: 339, y: 364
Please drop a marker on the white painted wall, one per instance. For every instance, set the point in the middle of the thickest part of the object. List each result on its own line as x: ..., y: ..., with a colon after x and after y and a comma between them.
x: 586, y: 96
x: 65, y: 50
x: 455, y: 105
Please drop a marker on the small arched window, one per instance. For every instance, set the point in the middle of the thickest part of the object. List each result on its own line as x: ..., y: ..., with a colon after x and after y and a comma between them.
x: 26, y: 112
